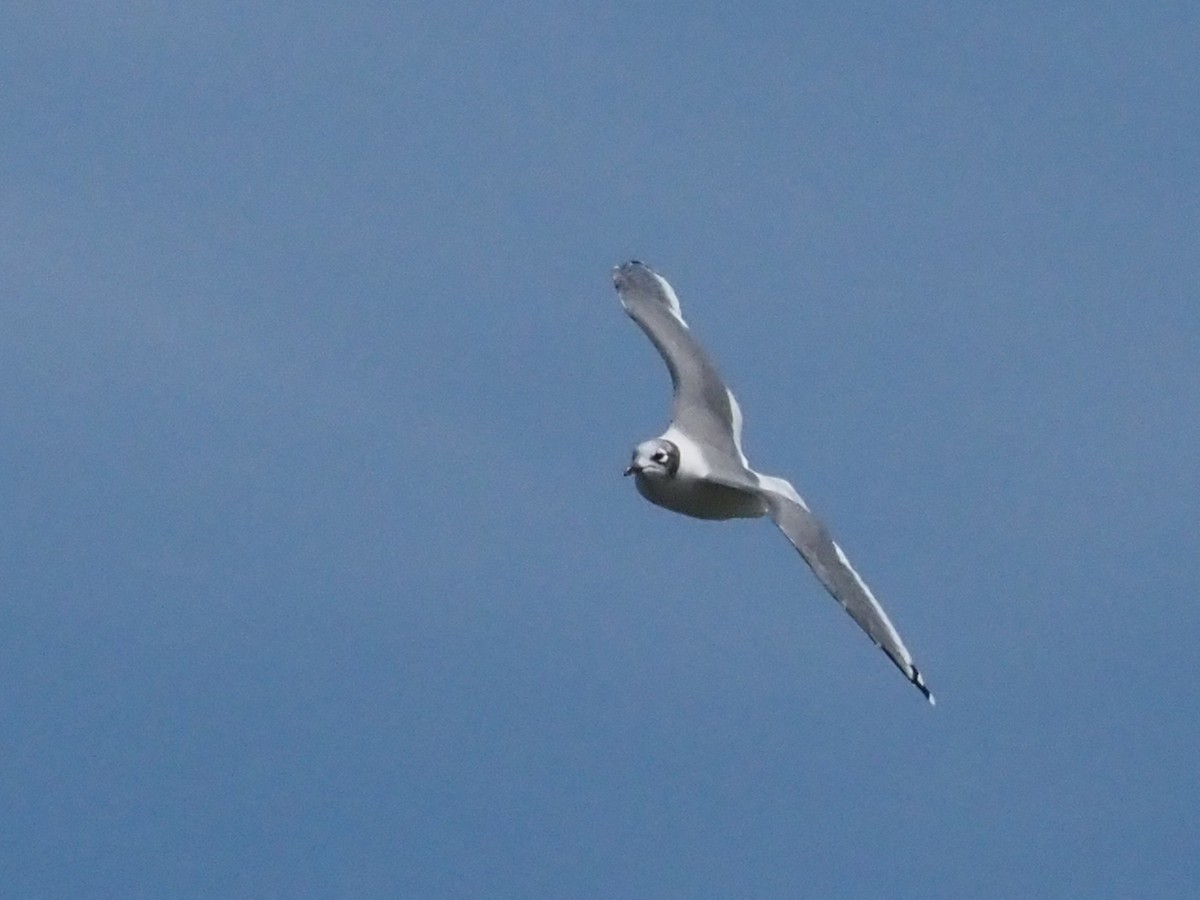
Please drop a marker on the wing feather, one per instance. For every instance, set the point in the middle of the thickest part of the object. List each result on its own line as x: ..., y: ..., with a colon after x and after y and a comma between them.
x: 833, y: 569
x: 703, y: 406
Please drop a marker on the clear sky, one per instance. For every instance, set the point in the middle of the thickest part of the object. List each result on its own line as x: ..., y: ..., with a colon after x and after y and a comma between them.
x: 319, y: 577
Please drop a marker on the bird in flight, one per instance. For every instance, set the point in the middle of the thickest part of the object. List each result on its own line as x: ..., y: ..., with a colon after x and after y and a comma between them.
x: 697, y: 467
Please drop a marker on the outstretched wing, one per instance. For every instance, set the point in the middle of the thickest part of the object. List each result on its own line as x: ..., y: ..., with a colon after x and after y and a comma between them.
x: 703, y: 406
x: 829, y: 563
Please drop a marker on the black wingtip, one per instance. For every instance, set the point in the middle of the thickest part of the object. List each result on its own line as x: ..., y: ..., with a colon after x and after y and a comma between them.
x: 919, y: 680
x: 621, y: 273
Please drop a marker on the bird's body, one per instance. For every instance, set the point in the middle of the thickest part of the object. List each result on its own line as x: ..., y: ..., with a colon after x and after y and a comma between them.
x: 687, y: 489
x: 697, y: 467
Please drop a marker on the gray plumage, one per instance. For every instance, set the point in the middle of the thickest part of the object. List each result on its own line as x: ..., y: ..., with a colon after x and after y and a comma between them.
x: 697, y: 467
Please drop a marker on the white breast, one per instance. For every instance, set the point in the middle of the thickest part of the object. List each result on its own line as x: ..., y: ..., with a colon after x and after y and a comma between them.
x: 699, y: 498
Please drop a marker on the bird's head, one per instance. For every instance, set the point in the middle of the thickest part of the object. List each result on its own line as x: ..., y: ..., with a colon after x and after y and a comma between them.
x: 657, y: 458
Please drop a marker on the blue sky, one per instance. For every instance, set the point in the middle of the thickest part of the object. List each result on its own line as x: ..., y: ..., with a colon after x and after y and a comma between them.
x: 319, y: 576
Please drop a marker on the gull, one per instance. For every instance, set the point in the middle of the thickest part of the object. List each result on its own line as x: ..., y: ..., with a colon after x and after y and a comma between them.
x: 697, y: 467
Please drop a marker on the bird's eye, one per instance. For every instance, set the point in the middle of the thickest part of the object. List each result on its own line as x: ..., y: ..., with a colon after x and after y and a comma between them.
x: 660, y: 456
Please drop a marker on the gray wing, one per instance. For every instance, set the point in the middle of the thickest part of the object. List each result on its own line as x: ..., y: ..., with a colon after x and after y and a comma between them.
x: 829, y: 563
x: 703, y: 406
